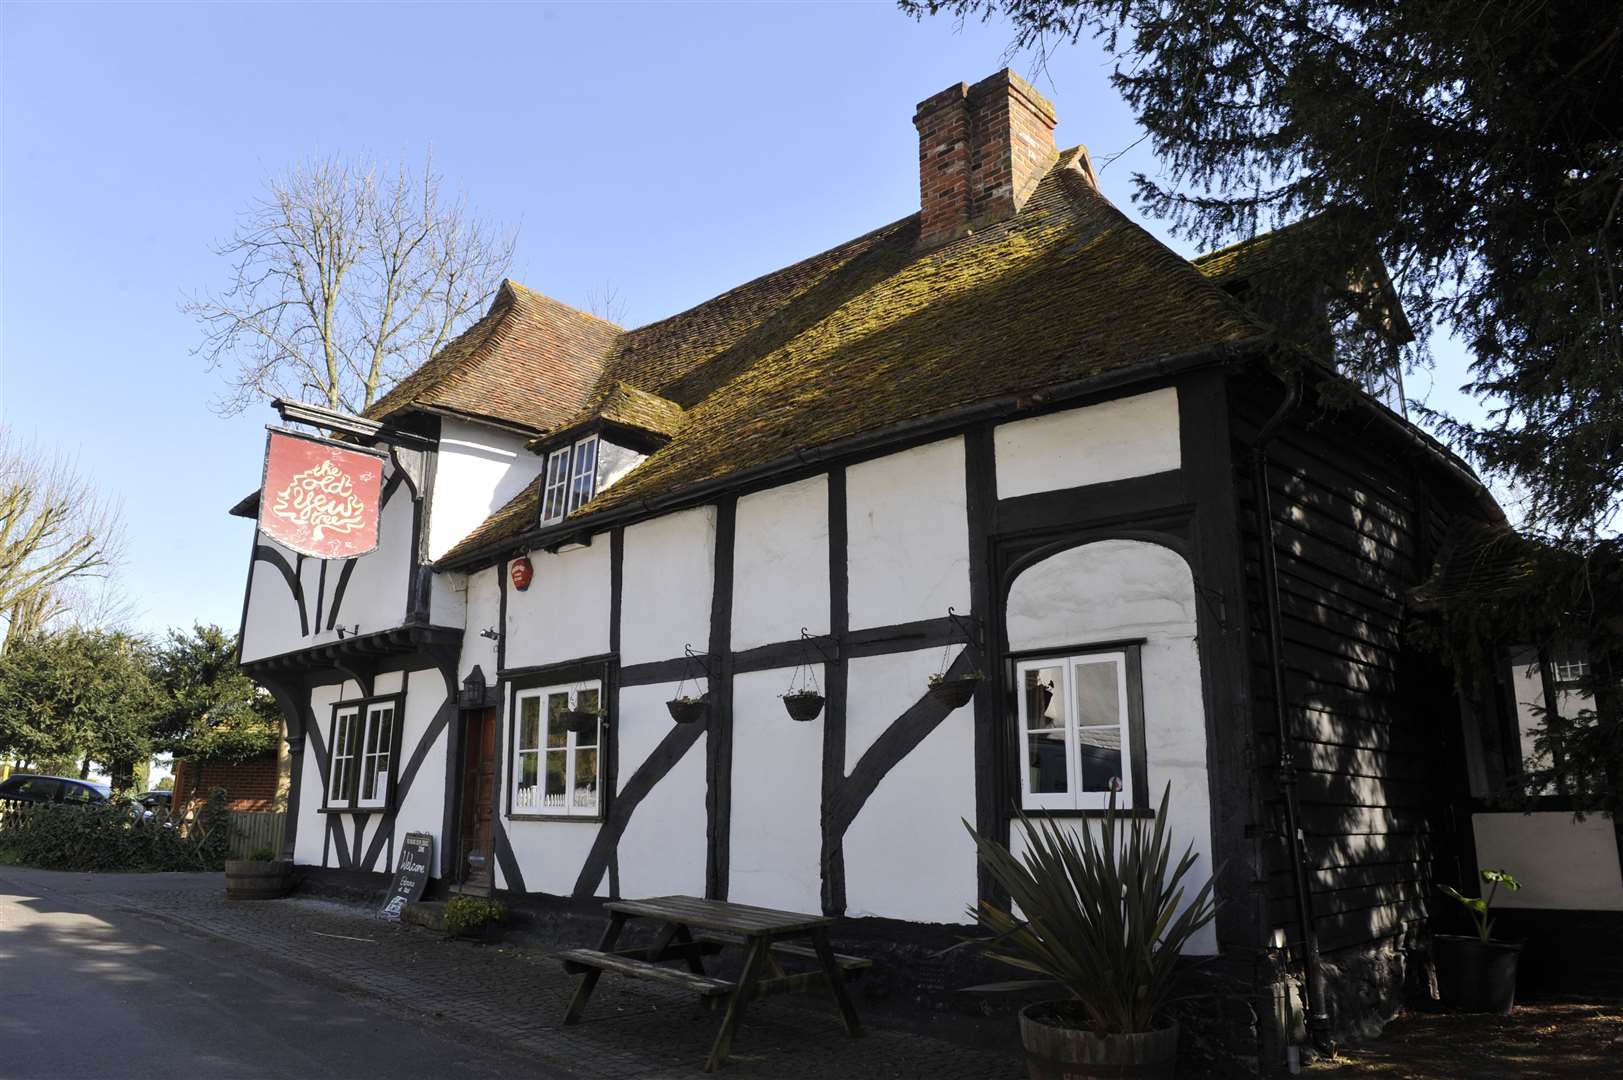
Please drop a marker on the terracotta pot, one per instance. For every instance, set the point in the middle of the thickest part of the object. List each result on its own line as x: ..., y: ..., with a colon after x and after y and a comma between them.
x: 1058, y: 1052
x: 1475, y: 975
x: 955, y: 692
x: 258, y: 879
x: 803, y: 707
x: 687, y: 711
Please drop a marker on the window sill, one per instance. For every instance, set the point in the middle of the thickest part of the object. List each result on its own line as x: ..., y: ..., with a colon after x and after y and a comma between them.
x: 585, y: 819
x: 379, y: 809
x: 1093, y: 812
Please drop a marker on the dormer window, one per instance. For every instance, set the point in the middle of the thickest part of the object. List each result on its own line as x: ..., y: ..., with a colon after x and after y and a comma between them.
x: 571, y: 479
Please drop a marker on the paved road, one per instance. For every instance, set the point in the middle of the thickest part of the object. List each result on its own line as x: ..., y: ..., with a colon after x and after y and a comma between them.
x: 91, y: 988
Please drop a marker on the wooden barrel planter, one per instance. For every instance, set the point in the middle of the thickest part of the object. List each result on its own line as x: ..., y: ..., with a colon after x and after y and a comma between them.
x: 1057, y: 1052
x: 258, y: 879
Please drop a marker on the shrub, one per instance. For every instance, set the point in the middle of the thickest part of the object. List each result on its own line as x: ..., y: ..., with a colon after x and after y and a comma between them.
x: 1099, y: 917
x: 263, y: 854
x: 467, y: 915
x: 111, y: 837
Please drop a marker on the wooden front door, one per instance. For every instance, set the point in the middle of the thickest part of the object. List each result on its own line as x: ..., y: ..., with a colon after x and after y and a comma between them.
x: 478, y: 798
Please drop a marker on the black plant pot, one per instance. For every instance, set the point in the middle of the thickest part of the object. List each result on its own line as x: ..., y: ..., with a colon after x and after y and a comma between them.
x: 687, y: 711
x: 580, y: 722
x: 803, y: 707
x: 955, y: 692
x: 1474, y: 975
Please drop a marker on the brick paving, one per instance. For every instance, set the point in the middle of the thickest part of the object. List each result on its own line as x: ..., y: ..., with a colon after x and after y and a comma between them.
x: 516, y: 995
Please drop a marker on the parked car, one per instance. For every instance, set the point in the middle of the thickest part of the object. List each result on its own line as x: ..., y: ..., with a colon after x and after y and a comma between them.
x: 154, y: 800
x: 43, y: 789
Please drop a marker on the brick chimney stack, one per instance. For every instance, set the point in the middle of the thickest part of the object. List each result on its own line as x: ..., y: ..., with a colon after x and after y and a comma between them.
x: 982, y: 149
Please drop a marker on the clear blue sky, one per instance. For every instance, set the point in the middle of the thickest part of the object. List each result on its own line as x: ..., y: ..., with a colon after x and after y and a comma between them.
x: 672, y: 150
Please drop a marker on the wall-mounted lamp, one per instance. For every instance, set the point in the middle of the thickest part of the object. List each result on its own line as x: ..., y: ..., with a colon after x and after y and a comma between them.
x: 491, y: 633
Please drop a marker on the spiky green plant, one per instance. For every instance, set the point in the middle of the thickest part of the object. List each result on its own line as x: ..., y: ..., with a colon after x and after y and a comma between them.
x: 1479, y: 906
x: 1099, y: 917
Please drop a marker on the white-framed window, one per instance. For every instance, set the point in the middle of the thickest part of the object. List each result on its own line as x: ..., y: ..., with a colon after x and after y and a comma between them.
x: 377, y: 749
x: 571, y: 479
x: 1569, y: 668
x: 555, y: 494
x: 346, y: 745
x: 556, y: 764
x: 1076, y: 719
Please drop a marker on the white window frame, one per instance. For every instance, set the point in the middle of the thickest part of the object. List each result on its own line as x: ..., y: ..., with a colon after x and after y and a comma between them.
x: 560, y: 494
x: 555, y: 490
x: 341, y: 770
x: 1569, y: 668
x: 1074, y: 798
x: 377, y: 754
x: 577, y: 496
x: 522, y: 806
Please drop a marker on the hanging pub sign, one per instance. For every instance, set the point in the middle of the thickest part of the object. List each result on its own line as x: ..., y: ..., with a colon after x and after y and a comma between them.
x: 320, y: 498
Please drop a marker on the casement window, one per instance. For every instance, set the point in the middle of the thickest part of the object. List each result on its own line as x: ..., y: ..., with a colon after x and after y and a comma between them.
x: 363, y: 744
x: 571, y: 480
x: 1569, y: 668
x: 1081, y: 730
x: 556, y: 766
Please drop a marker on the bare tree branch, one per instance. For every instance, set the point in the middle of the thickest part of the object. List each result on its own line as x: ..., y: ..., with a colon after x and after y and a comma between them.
x: 343, y: 280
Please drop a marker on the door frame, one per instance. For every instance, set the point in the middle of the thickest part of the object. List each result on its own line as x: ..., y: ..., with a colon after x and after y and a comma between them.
x: 465, y: 716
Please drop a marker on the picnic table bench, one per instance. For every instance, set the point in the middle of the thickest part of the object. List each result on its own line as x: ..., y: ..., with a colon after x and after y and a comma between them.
x: 693, y: 928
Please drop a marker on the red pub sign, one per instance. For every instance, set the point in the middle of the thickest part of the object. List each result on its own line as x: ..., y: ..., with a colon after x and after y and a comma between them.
x: 320, y: 499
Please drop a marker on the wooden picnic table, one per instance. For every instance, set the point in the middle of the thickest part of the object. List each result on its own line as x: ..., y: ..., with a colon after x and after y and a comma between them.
x: 693, y: 928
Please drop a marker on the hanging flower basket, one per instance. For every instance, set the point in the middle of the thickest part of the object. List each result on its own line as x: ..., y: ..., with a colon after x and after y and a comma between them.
x: 581, y: 721
x: 688, y: 710
x: 803, y: 705
x: 954, y: 690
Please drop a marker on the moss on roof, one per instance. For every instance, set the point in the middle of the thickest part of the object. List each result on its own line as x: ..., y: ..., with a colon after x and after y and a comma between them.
x: 529, y: 361
x: 619, y: 403
x: 874, y: 334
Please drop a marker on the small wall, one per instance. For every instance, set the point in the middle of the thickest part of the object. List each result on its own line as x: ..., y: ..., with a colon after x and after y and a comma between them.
x: 1131, y: 436
x: 780, y: 564
x: 1562, y: 864
x: 777, y: 838
x: 907, y: 535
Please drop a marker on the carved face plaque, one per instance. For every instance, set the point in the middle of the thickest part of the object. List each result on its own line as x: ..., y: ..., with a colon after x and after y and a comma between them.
x: 320, y: 499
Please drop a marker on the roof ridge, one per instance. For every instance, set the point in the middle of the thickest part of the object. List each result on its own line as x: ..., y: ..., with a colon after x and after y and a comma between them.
x: 522, y: 289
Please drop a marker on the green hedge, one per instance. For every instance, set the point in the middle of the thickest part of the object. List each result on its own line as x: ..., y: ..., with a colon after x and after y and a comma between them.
x: 111, y: 837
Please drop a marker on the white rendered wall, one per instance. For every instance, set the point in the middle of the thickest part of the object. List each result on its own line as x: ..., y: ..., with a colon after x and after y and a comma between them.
x: 423, y: 808
x: 780, y: 564
x: 908, y: 536
x: 484, y: 613
x: 1527, y: 683
x: 565, y: 612
x: 907, y: 854
x: 1561, y: 863
x: 669, y: 571
x: 776, y: 841
x: 479, y: 471
x: 272, y: 625
x: 662, y: 850
x: 1119, y: 589
x: 1131, y: 436
x: 613, y: 462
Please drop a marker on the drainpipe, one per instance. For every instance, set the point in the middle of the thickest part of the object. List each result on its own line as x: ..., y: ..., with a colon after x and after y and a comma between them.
x: 1318, y: 1019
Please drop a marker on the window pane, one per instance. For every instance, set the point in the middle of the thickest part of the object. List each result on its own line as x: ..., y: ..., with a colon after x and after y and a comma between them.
x: 556, y: 762
x: 557, y: 705
x: 529, y: 723
x: 585, y: 473
x: 1044, y: 707
x: 1097, y: 701
x: 1101, y: 759
x: 586, y: 778
x: 557, y: 485
x: 529, y: 767
x: 1045, y: 758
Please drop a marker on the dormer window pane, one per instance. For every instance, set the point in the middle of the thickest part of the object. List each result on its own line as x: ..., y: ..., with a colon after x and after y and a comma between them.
x: 557, y: 486
x: 585, y: 473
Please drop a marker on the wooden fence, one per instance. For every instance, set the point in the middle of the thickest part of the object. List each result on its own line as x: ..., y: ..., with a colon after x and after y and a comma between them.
x: 252, y: 830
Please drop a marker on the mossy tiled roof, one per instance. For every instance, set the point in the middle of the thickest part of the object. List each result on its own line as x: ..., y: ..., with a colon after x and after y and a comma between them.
x: 875, y: 334
x: 530, y: 362
x: 621, y: 404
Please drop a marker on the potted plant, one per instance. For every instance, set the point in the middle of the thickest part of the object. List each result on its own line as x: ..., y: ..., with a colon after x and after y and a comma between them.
x: 581, y: 721
x: 1478, y: 974
x: 803, y: 705
x: 261, y: 876
x: 475, y: 917
x: 687, y: 710
x: 1104, y: 921
x: 954, y: 690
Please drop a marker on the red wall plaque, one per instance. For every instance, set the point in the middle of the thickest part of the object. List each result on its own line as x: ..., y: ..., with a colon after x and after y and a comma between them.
x: 320, y: 499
